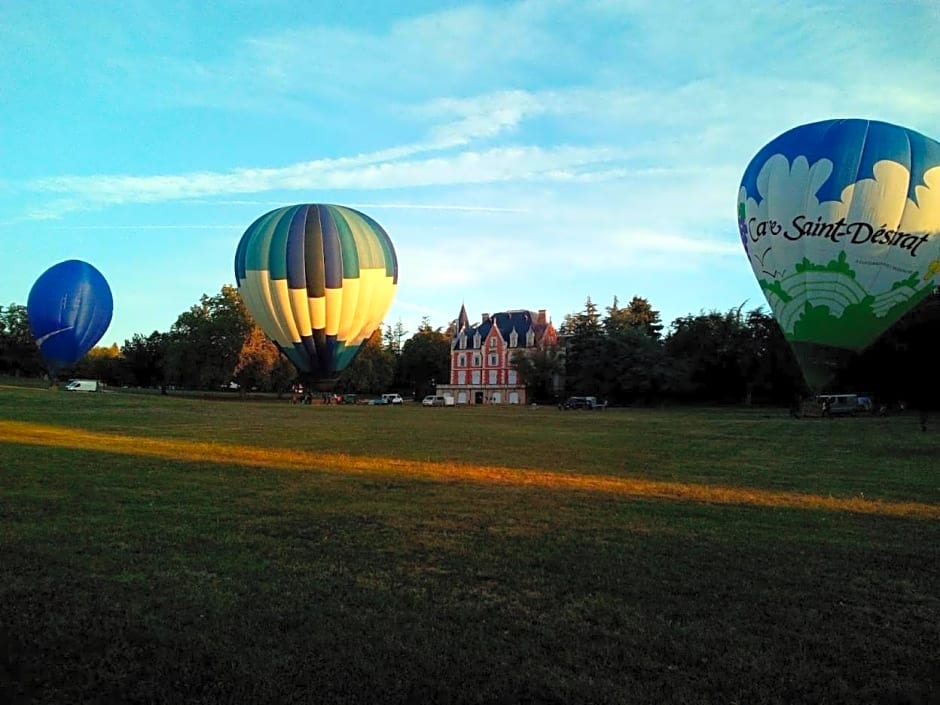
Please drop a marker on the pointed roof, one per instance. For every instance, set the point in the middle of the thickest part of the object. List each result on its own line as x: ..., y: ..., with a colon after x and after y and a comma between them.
x: 505, y: 322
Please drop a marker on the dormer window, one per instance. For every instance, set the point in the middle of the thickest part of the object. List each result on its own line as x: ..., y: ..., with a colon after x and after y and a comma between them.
x: 476, y: 340
x: 530, y: 338
x: 514, y: 339
x: 463, y: 341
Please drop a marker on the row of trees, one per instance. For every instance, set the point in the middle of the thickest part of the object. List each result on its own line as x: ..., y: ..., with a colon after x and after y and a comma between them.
x: 623, y: 355
x: 725, y: 357
x: 216, y: 342
x: 730, y: 356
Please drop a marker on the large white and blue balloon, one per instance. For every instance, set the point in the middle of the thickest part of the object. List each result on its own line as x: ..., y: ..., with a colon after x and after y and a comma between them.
x: 841, y: 223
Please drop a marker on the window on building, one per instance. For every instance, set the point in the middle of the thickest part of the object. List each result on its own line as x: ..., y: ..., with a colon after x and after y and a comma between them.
x: 530, y: 338
x: 512, y: 376
x: 492, y: 377
x: 461, y: 377
x: 476, y: 340
x: 494, y: 360
x: 492, y: 343
x: 514, y: 339
x: 461, y: 360
x: 475, y: 376
x: 476, y: 360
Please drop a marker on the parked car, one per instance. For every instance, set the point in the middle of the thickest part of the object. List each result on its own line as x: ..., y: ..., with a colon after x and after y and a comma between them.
x: 582, y: 403
x: 392, y: 398
x: 437, y: 400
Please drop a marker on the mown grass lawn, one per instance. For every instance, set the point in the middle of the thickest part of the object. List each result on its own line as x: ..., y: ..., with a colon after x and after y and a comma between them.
x: 170, y: 550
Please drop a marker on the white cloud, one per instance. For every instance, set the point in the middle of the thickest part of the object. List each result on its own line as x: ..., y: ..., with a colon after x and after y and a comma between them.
x: 493, y: 165
x: 480, y: 117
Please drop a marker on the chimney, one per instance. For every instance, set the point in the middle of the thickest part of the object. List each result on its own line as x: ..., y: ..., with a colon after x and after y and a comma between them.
x: 486, y: 317
x: 542, y: 316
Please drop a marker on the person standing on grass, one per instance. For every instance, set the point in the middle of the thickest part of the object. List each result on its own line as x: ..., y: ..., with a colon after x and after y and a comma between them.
x: 922, y: 414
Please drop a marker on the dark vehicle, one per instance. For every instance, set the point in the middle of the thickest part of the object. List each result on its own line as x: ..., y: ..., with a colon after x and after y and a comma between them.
x: 582, y: 403
x: 843, y: 404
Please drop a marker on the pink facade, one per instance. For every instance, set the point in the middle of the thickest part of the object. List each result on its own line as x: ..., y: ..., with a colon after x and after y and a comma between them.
x: 481, y: 355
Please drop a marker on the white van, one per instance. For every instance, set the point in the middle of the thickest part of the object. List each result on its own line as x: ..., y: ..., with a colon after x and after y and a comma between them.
x: 438, y: 400
x: 82, y: 385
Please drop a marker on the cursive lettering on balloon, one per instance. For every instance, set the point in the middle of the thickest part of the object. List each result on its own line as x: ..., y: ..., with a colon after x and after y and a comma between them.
x: 856, y: 233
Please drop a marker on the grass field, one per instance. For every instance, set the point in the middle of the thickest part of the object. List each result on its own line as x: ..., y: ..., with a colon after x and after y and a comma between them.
x: 177, y: 550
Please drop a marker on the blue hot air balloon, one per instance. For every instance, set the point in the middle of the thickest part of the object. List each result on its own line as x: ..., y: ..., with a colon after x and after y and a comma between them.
x: 69, y: 309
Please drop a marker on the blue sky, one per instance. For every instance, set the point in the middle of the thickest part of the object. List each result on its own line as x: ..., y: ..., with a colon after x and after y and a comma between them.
x: 519, y: 154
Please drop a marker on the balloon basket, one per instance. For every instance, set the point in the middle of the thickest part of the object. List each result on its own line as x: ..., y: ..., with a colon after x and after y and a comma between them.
x: 321, y: 385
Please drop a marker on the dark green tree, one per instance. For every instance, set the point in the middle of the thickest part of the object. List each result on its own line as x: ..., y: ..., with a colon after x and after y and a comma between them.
x: 585, y: 324
x: 539, y: 369
x: 774, y: 376
x: 204, y: 344
x: 639, y: 369
x: 261, y: 366
x: 901, y: 364
x: 638, y: 314
x: 103, y: 363
x: 616, y: 318
x: 425, y: 359
x: 372, y: 371
x: 19, y: 354
x: 143, y: 359
x: 711, y: 351
x: 393, y: 337
x: 583, y: 336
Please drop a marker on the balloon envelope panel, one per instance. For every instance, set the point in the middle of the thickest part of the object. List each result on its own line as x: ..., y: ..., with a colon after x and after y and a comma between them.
x: 69, y: 308
x: 840, y: 223
x: 318, y: 279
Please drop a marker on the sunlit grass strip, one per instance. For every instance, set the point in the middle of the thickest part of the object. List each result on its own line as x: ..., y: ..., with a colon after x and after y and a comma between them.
x: 286, y: 459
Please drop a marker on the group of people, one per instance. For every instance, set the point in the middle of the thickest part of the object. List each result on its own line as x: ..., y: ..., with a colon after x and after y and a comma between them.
x: 299, y: 395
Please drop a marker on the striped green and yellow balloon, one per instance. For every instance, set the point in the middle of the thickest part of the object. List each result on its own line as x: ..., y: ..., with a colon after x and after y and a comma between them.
x: 318, y: 279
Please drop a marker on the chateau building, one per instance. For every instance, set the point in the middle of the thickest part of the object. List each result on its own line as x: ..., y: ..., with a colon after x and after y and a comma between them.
x: 480, y: 355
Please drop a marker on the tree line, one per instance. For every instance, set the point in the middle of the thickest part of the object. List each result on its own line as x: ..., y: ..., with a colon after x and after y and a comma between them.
x: 624, y: 355
x: 216, y: 343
